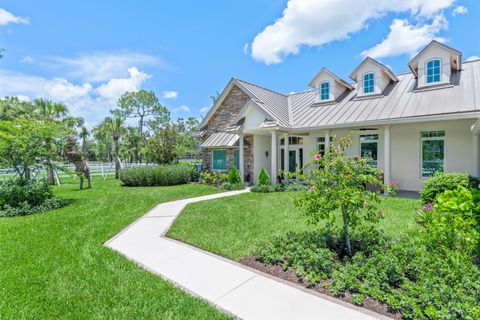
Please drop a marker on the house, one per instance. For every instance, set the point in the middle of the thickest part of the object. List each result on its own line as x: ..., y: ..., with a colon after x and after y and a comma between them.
x: 411, y: 124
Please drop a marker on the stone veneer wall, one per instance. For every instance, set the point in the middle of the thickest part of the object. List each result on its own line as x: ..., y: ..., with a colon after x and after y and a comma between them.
x: 222, y: 118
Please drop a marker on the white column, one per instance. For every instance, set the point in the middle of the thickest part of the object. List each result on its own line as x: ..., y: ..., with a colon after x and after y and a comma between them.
x: 476, y: 155
x: 327, y: 141
x: 273, y: 156
x: 241, y: 147
x: 286, y: 157
x: 386, y: 157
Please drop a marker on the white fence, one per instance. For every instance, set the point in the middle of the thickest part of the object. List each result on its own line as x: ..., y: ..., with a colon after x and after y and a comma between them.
x: 103, y: 169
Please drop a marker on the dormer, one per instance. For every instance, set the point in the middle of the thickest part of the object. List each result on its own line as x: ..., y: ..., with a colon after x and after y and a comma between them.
x: 434, y: 64
x: 328, y: 86
x: 372, y: 77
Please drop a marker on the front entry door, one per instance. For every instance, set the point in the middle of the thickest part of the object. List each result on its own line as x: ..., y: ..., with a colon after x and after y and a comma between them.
x: 292, y: 160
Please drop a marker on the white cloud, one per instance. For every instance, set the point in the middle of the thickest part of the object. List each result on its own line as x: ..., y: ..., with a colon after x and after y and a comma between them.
x: 314, y: 23
x: 8, y: 17
x: 405, y: 38
x: 23, y: 98
x: 181, y: 109
x: 473, y: 58
x: 460, y: 10
x: 114, y: 88
x: 102, y: 66
x: 170, y: 94
x: 204, y: 109
x: 85, y: 100
x: 26, y: 59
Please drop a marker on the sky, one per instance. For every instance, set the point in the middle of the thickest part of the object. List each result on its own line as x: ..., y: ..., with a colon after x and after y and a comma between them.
x: 87, y: 53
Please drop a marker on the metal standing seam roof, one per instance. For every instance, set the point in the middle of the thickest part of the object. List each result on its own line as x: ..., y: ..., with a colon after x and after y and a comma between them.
x: 273, y: 103
x: 221, y: 139
x: 401, y: 100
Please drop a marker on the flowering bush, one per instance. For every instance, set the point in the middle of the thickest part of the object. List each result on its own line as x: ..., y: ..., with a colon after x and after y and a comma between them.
x: 392, y: 188
x: 339, y: 181
x: 212, y: 178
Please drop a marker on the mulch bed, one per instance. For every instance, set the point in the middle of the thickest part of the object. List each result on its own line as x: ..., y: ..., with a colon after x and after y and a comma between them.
x: 289, y: 275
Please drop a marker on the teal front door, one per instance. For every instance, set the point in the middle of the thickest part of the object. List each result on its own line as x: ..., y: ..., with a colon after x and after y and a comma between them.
x: 292, y: 160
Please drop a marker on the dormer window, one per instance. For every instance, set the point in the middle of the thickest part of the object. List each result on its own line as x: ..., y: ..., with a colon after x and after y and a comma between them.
x: 433, y: 70
x: 368, y: 83
x: 325, y: 91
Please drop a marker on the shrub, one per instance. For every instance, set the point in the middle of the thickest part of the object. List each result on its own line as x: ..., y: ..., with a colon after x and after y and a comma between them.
x: 454, y: 221
x: 194, y: 174
x: 263, y: 178
x: 232, y: 186
x: 263, y: 188
x: 164, y: 175
x: 23, y: 197
x: 442, y: 181
x: 215, y: 178
x: 234, y: 176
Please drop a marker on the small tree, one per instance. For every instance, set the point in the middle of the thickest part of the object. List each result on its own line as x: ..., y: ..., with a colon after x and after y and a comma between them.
x: 338, y: 181
x: 234, y: 176
x: 263, y: 178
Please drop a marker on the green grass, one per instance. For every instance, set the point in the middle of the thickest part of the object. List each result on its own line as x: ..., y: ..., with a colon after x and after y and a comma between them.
x: 54, y: 264
x: 235, y: 226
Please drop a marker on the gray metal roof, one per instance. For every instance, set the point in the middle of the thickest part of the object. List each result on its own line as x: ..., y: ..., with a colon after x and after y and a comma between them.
x: 273, y: 103
x: 221, y: 139
x: 401, y: 100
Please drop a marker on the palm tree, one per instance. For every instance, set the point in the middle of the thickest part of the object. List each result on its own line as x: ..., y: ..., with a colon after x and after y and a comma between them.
x: 50, y: 111
x: 117, y: 128
x: 84, y: 134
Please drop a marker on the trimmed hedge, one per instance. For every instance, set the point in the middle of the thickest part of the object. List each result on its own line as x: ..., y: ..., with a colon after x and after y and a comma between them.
x: 441, y: 182
x: 164, y: 175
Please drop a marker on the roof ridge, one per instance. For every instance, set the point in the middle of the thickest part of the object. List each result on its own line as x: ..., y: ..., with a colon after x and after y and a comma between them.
x: 305, y: 91
x: 256, y: 85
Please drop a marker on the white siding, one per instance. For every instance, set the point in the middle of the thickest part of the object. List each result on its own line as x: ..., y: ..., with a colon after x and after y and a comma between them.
x: 261, y: 144
x: 429, y: 54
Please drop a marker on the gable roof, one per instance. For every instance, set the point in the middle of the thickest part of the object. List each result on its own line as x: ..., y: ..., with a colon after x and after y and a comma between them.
x: 383, y: 67
x: 432, y: 43
x: 401, y: 102
x: 273, y: 104
x: 331, y: 74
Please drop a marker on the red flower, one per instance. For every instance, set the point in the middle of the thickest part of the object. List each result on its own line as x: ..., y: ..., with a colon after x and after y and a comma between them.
x: 317, y: 156
x: 356, y: 158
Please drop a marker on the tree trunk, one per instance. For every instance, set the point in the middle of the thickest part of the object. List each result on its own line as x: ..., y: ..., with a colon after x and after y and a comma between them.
x: 50, y: 176
x: 26, y: 173
x: 117, y: 156
x: 346, y: 232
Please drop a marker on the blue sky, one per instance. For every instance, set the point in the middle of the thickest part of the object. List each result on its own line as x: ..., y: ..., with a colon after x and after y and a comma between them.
x: 86, y: 53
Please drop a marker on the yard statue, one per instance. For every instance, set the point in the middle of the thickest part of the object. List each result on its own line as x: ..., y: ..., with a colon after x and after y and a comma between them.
x: 73, y: 155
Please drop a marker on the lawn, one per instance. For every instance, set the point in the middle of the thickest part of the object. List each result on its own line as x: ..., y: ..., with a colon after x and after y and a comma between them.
x: 234, y: 227
x: 54, y: 264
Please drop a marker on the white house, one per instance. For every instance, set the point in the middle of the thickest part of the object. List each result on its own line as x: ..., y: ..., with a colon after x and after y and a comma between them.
x: 411, y: 124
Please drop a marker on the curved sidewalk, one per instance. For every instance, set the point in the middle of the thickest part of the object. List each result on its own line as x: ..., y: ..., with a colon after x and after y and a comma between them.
x: 238, y: 290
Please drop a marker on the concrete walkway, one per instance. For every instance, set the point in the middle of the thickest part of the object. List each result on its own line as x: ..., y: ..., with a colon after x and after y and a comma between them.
x: 231, y: 287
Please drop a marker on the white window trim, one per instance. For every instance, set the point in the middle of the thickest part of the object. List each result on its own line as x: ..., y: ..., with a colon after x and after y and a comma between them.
x: 426, y: 83
x: 318, y: 143
x: 374, y: 82
x: 444, y: 138
x: 226, y: 160
x: 320, y: 90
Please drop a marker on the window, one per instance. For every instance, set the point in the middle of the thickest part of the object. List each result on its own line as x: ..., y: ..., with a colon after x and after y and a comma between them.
x: 369, y: 148
x: 433, y: 71
x: 325, y: 90
x: 321, y: 145
x: 433, y: 152
x: 219, y: 160
x: 369, y: 83
x: 236, y: 159
x: 292, y: 141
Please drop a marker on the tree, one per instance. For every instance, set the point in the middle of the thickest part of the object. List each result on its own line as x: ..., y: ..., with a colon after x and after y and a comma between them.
x: 117, y: 128
x: 162, y: 148
x: 338, y: 181
x: 143, y: 104
x: 84, y: 134
x: 186, y: 130
x: 22, y: 144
